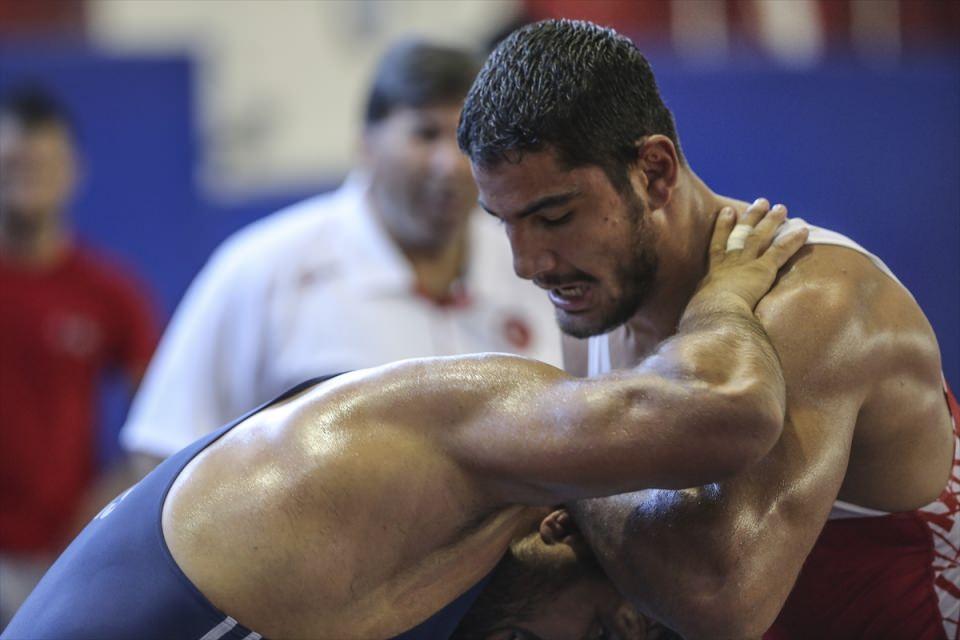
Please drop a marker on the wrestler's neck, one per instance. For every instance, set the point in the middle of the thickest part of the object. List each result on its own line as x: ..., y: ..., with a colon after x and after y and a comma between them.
x: 32, y: 241
x: 437, y: 266
x: 438, y: 270
x: 684, y: 225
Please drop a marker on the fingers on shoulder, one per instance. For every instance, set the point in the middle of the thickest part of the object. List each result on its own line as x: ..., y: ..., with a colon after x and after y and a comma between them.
x: 765, y: 230
x: 786, y: 246
x: 721, y: 234
x: 755, y: 212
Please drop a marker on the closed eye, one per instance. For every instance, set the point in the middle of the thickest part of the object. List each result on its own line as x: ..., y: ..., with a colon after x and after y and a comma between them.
x: 426, y: 132
x: 557, y: 222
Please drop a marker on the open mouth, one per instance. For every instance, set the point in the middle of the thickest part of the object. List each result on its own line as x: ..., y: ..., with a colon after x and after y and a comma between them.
x: 571, y: 298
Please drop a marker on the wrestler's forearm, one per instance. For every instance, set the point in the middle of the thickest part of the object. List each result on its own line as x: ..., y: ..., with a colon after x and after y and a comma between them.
x: 670, y: 550
x: 714, y: 561
x: 724, y: 361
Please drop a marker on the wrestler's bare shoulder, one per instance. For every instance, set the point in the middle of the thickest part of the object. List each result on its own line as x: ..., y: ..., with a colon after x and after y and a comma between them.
x: 284, y: 498
x: 847, y: 333
x: 416, y: 397
x: 838, y: 300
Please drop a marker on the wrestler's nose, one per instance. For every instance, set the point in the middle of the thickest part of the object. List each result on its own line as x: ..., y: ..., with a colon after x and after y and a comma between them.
x: 531, y: 256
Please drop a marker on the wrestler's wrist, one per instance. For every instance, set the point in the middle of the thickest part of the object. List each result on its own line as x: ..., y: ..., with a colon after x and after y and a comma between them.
x: 711, y: 301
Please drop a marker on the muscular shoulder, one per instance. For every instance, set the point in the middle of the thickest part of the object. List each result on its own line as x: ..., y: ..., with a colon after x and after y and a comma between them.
x: 838, y: 321
x: 443, y: 391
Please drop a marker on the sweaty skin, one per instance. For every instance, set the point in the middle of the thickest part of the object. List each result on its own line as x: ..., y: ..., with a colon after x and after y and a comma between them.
x: 866, y: 421
x: 364, y: 505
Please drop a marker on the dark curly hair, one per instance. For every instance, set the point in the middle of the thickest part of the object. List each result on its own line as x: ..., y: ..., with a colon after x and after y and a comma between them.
x: 32, y: 107
x: 415, y: 73
x: 583, y: 90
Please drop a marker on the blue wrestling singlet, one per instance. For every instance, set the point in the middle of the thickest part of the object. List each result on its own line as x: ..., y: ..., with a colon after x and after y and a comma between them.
x: 118, y: 580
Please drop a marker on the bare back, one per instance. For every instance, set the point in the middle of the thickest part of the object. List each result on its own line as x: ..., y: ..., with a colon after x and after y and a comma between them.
x: 299, y: 484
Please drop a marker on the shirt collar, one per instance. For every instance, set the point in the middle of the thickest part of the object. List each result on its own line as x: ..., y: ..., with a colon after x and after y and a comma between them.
x: 375, y: 261
x: 379, y: 265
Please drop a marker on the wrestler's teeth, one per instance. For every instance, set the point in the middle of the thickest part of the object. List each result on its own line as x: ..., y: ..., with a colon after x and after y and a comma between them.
x: 570, y: 292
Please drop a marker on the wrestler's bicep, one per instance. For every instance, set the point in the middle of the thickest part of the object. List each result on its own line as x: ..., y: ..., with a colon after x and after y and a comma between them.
x: 823, y: 357
x: 555, y: 438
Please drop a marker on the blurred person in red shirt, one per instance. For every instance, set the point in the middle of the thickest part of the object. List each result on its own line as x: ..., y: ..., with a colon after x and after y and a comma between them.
x: 68, y: 314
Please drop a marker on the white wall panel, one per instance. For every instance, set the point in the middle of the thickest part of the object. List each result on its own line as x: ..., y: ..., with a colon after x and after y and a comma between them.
x: 281, y: 83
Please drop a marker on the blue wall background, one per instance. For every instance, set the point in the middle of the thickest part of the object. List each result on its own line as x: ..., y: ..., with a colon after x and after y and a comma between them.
x: 872, y: 153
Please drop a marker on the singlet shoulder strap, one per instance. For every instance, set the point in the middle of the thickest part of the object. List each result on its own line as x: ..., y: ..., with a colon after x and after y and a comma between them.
x: 598, y: 355
x: 819, y: 235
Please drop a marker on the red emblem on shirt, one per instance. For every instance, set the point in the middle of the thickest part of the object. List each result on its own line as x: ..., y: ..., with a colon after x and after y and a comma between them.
x: 517, y: 332
x: 75, y: 334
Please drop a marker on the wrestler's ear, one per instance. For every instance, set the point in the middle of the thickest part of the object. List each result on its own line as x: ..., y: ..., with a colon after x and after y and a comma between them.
x: 655, y: 169
x: 559, y: 528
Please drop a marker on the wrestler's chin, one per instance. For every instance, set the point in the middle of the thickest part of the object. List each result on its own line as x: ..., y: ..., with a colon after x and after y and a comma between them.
x: 579, y: 324
x: 602, y: 315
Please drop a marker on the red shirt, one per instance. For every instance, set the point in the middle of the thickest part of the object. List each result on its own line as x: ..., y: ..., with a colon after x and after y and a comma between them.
x: 60, y: 329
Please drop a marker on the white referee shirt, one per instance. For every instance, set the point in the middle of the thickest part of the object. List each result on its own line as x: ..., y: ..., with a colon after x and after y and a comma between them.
x: 316, y: 289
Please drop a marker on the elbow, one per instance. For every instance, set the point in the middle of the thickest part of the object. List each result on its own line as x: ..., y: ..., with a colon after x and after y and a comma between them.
x: 733, y: 625
x: 727, y: 592
x: 749, y: 424
x: 729, y: 431
x: 735, y: 595
x: 728, y: 613
x: 766, y: 404
x: 737, y: 411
